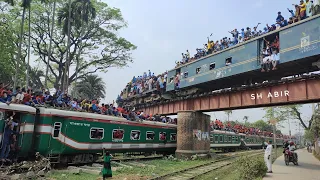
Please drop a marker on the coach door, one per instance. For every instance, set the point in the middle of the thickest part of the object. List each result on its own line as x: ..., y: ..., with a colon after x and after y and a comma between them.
x: 2, y: 125
x: 57, y: 139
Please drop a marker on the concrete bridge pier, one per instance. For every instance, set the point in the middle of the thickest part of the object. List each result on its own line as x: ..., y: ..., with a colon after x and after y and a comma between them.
x: 193, y: 134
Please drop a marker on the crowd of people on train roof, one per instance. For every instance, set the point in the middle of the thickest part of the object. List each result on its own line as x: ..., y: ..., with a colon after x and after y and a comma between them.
x: 146, y: 82
x: 303, y: 10
x: 64, y: 101
x: 270, y: 56
x: 240, y: 128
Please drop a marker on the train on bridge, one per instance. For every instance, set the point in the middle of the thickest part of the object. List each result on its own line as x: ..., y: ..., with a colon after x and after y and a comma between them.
x: 240, y: 65
x: 78, y: 137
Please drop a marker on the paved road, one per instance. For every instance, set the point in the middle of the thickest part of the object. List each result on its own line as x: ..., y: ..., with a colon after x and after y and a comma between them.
x: 308, y: 168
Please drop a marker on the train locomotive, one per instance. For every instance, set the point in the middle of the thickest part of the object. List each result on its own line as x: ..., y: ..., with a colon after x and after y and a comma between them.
x: 78, y: 137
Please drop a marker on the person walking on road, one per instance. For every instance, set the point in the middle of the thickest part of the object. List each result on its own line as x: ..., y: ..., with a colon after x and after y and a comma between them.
x: 267, y: 156
x: 106, y: 171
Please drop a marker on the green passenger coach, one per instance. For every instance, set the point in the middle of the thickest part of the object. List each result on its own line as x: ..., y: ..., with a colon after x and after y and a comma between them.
x: 78, y: 137
x: 75, y: 137
x: 25, y: 115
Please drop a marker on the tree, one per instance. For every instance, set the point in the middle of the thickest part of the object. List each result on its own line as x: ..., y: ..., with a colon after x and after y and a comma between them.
x: 25, y: 5
x: 245, y: 119
x: 98, y: 35
x: 7, y: 45
x: 290, y: 112
x: 262, y: 125
x: 228, y: 112
x: 91, y: 87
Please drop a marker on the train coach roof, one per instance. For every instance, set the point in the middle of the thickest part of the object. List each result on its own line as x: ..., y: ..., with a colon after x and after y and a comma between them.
x: 58, y: 112
x: 17, y: 107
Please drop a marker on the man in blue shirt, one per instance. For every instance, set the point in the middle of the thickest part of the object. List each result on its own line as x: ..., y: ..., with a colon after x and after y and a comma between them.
x: 8, y: 131
x: 279, y: 17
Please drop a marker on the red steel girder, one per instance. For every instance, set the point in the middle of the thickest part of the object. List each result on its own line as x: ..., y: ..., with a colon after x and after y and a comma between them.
x: 297, y: 92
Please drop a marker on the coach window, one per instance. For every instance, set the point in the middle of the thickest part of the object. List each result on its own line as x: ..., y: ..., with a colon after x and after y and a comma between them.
x: 228, y: 61
x: 198, y: 70
x: 173, y: 137
x: 150, y: 135
x: 186, y: 74
x: 56, y: 129
x: 96, y: 133
x: 162, y: 136
x: 212, y: 66
x: 221, y: 138
x: 229, y: 138
x: 117, y: 134
x: 216, y: 138
x: 135, y: 135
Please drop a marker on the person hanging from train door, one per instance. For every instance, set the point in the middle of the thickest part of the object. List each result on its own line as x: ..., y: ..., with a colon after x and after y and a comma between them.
x: 8, y: 131
x: 106, y: 170
x: 268, y: 156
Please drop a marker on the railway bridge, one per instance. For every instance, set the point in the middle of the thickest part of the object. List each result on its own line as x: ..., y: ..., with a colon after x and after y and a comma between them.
x: 192, y: 120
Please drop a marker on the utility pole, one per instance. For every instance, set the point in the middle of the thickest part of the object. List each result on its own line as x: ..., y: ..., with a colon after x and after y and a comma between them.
x: 274, y: 132
x: 289, y: 129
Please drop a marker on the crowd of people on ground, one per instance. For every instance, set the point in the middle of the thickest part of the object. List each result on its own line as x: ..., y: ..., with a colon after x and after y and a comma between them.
x: 303, y: 10
x: 239, y: 128
x: 64, y: 101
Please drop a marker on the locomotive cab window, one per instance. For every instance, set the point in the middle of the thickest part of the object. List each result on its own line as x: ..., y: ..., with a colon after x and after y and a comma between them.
x: 56, y: 129
x: 162, y: 136
x: 198, y: 70
x: 173, y: 137
x: 186, y: 74
x: 228, y: 61
x: 150, y: 135
x: 96, y: 133
x: 212, y: 66
x: 135, y: 135
x: 117, y: 134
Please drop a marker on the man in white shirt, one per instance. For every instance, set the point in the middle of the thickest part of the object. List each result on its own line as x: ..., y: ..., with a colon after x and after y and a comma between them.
x: 268, y: 156
x: 275, y: 59
x: 291, y: 148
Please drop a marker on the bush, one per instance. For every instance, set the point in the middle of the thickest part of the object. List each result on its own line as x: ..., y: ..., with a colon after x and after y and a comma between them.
x: 251, y: 168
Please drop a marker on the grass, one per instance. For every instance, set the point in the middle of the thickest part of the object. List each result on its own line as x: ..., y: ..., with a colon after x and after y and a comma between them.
x: 229, y: 172
x: 68, y: 176
x: 150, y: 169
x: 154, y: 168
x: 315, y: 155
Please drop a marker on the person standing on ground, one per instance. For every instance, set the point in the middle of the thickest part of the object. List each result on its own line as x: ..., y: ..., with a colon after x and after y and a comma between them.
x: 267, y: 157
x: 106, y: 171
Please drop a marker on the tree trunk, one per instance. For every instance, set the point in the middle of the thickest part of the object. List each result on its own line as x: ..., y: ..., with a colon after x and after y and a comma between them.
x: 29, y: 48
x: 66, y: 67
x: 50, y: 44
x: 19, y: 49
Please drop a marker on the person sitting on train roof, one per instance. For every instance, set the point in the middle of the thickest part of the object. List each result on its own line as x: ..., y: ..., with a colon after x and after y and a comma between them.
x: 5, y: 98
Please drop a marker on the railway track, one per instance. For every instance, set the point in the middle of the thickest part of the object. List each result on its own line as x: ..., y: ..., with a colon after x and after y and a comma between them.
x: 193, y: 172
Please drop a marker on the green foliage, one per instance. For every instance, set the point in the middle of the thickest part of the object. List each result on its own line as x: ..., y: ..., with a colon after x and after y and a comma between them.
x: 95, y: 43
x: 309, y: 135
x: 91, y: 87
x: 261, y: 124
x: 251, y: 168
